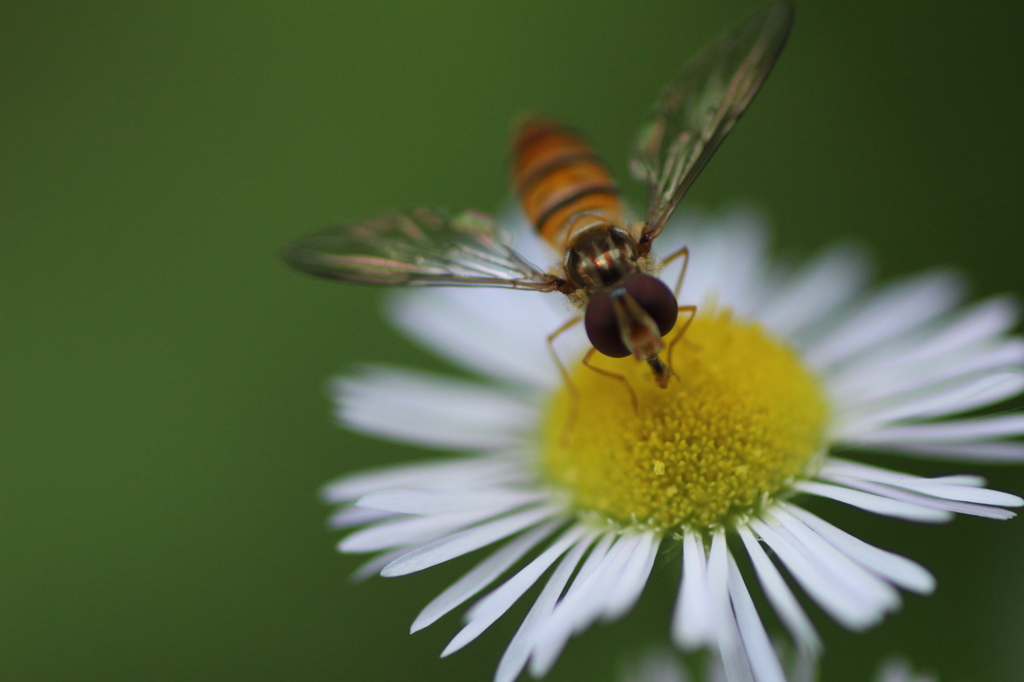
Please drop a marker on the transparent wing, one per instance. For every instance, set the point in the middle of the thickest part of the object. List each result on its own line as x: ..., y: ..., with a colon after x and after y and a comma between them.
x: 697, y: 110
x: 422, y: 247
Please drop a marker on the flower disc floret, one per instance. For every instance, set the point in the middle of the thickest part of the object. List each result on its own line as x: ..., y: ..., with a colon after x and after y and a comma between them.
x: 742, y: 416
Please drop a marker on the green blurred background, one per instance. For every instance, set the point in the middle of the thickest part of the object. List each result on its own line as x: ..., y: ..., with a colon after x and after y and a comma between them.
x: 164, y: 422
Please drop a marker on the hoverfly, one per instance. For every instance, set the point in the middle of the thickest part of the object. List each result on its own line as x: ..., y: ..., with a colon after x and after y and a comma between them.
x: 574, y: 205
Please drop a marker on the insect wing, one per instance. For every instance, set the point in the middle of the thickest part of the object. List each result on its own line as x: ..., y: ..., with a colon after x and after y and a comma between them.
x: 421, y: 247
x: 697, y: 110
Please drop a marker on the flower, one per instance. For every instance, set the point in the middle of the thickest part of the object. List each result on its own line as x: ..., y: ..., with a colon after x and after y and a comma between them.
x: 781, y: 369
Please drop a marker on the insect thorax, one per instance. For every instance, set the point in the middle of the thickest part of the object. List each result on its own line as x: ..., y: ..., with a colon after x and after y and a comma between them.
x: 601, y: 257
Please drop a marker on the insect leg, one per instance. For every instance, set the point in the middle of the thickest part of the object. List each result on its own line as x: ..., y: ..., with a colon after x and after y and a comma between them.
x: 613, y: 375
x: 551, y: 348
x: 685, y: 254
x: 692, y: 310
x: 574, y: 396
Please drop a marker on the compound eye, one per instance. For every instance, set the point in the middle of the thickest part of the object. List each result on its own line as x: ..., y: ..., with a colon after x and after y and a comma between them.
x: 656, y: 298
x: 602, y: 329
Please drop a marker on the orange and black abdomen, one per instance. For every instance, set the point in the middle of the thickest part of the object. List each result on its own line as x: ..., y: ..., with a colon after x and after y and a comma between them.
x: 558, y: 176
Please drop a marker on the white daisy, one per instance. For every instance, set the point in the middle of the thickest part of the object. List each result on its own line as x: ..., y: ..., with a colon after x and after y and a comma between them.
x: 781, y: 369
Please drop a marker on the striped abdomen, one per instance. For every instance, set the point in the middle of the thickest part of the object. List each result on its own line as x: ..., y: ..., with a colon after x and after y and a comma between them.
x: 559, y: 177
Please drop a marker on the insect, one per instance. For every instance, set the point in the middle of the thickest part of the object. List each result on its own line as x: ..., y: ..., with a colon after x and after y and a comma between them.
x: 607, y: 264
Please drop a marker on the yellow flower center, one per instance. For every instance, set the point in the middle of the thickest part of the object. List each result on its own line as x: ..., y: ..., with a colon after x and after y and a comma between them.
x: 740, y: 418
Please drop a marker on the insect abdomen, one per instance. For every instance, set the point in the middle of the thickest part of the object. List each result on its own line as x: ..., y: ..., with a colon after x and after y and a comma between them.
x: 558, y: 176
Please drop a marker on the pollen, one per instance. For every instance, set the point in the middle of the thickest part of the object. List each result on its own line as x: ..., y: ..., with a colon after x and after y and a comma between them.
x: 741, y: 417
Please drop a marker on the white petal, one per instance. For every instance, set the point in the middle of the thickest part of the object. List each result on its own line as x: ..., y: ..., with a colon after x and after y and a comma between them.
x: 894, y: 310
x: 372, y: 566
x: 406, y: 531
x: 375, y: 564
x: 718, y: 586
x: 524, y: 237
x: 763, y: 661
x: 466, y: 541
x: 494, y: 605
x: 866, y: 382
x: 430, y: 503
x: 950, y: 487
x: 730, y: 642
x: 594, y: 559
x: 693, y: 620
x: 453, y: 473
x: 735, y: 664
x: 518, y: 652
x: 634, y: 576
x: 481, y: 576
x: 954, y: 338
x: 745, y: 241
x: 348, y: 517
x: 715, y: 670
x: 1000, y: 451
x: 705, y: 274
x: 926, y: 501
x: 942, y: 487
x: 817, y: 289
x: 980, y: 321
x: 831, y: 596
x: 727, y: 262
x: 961, y: 479
x: 782, y: 600
x: 428, y: 410
x: 877, y: 594
x: 497, y: 333
x: 954, y: 431
x: 886, y: 506
x: 897, y: 569
x: 803, y: 667
x: 582, y: 606
x: 957, y: 397
x: 595, y: 562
